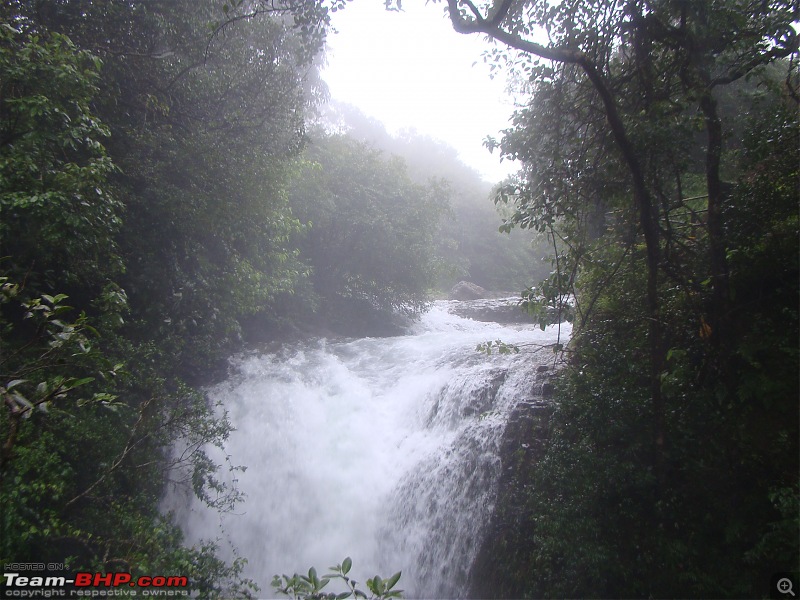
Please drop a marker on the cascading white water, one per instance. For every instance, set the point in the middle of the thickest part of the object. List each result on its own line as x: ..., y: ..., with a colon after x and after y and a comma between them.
x: 382, y: 449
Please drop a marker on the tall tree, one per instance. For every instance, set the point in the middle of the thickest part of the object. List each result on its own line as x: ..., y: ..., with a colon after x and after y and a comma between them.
x: 643, y: 63
x: 371, y: 239
x: 143, y: 173
x: 470, y: 242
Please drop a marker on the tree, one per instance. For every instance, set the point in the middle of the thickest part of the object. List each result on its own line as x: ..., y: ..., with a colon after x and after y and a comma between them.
x: 143, y: 199
x: 371, y: 230
x: 204, y: 124
x: 691, y: 48
x: 689, y: 43
x: 58, y: 220
x: 469, y: 242
x: 58, y: 216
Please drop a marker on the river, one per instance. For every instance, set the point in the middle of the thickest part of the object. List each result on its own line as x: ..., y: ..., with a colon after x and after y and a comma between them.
x: 382, y: 449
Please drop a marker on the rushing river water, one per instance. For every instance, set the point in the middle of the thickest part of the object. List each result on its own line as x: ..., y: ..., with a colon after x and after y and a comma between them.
x: 382, y: 449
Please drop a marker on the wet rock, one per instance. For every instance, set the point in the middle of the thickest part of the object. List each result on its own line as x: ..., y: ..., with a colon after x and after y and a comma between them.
x: 476, y: 397
x: 492, y: 310
x: 483, y: 398
x: 465, y: 290
x: 523, y: 446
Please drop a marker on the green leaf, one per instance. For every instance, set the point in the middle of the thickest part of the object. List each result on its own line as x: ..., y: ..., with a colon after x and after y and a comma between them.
x: 390, y: 583
x: 23, y: 401
x: 347, y: 563
x: 15, y: 383
x: 73, y: 383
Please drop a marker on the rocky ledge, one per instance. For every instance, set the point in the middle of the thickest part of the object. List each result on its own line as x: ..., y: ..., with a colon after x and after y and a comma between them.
x: 523, y: 446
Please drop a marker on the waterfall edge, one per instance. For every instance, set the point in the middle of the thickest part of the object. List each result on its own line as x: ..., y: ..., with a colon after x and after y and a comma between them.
x: 522, y: 447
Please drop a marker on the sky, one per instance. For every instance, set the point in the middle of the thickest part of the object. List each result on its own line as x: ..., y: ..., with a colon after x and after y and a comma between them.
x: 410, y: 70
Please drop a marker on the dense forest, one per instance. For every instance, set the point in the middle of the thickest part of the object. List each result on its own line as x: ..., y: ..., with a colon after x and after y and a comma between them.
x: 173, y: 188
x: 661, y: 153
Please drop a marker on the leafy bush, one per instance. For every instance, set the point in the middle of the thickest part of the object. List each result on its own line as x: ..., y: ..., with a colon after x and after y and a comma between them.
x: 309, y: 587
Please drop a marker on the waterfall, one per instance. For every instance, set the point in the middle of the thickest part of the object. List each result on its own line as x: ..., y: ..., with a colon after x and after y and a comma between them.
x: 382, y: 449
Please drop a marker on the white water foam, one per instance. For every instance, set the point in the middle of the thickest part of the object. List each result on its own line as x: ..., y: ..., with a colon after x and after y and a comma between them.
x: 382, y: 449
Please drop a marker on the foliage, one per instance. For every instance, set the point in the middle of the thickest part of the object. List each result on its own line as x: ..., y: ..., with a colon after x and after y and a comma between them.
x: 38, y: 372
x: 310, y: 587
x: 499, y: 345
x: 207, y: 223
x: 469, y: 243
x: 57, y: 215
x: 81, y: 460
x: 145, y: 223
x: 371, y: 231
x: 146, y: 149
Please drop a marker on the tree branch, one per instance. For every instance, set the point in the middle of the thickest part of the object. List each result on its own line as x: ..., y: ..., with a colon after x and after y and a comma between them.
x: 492, y: 28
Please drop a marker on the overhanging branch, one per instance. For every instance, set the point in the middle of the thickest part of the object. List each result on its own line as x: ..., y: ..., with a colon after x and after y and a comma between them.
x: 492, y: 27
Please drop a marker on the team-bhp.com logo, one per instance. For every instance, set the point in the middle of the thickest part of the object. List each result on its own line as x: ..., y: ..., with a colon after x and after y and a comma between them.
x: 26, y: 585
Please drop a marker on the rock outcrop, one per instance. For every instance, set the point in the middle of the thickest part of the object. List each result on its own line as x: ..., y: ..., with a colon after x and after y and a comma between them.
x: 465, y: 290
x: 523, y: 446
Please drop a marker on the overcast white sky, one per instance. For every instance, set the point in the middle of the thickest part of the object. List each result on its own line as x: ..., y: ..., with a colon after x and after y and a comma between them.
x: 411, y: 70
